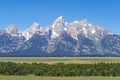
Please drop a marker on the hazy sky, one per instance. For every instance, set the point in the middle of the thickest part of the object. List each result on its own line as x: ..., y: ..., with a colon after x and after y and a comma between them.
x: 23, y: 13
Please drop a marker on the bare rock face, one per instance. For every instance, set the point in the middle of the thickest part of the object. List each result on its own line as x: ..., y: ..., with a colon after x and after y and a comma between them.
x: 78, y: 38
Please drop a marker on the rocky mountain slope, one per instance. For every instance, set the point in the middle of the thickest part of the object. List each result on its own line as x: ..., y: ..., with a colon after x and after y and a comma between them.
x: 78, y: 38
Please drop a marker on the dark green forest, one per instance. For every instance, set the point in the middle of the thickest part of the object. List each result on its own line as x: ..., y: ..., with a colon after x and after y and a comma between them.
x: 60, y: 69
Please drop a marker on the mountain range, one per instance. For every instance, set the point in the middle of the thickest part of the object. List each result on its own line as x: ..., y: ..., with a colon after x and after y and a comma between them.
x: 78, y: 38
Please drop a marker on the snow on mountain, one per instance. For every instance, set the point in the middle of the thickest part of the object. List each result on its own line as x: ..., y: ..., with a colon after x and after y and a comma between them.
x: 79, y: 37
x: 58, y: 22
x: 87, y: 29
x: 93, y: 31
x: 13, y: 31
x: 34, y: 28
x: 57, y: 27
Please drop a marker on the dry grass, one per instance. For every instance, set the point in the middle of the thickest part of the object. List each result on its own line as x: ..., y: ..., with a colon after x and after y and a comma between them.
x: 56, y: 78
x: 52, y: 60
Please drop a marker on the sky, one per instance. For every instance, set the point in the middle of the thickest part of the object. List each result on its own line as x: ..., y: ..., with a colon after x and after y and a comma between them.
x: 23, y: 13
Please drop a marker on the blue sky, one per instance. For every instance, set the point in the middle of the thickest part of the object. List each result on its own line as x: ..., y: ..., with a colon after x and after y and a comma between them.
x: 23, y: 13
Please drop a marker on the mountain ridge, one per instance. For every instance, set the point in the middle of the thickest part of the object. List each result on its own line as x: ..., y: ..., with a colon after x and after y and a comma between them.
x: 78, y: 38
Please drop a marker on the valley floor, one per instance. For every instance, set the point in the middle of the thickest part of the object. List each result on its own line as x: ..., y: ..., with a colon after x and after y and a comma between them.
x: 52, y: 60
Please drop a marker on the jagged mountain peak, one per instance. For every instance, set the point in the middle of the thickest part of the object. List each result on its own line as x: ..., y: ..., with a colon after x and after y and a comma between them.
x: 76, y: 21
x: 85, y: 22
x: 34, y: 28
x: 58, y: 27
x: 60, y: 38
x: 82, y: 23
x: 87, y: 29
x: 60, y: 18
x: 59, y: 22
x: 11, y: 27
x: 36, y: 24
x: 13, y: 31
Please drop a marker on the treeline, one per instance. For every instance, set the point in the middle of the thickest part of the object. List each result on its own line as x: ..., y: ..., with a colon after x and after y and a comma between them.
x: 60, y: 69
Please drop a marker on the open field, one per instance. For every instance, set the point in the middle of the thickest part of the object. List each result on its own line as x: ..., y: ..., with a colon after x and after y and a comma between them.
x: 56, y: 78
x: 66, y: 60
x: 52, y: 60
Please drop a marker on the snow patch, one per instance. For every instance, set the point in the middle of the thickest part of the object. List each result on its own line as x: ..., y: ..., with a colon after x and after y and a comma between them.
x: 76, y: 22
x: 54, y: 34
x: 84, y: 30
x: 93, y: 31
x: 28, y: 33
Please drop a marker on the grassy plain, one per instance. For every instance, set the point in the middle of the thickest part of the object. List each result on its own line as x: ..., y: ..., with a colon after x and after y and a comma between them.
x: 66, y: 60
x: 57, y: 78
x: 52, y: 60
